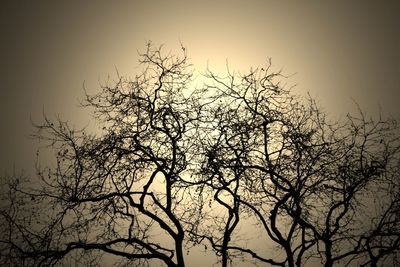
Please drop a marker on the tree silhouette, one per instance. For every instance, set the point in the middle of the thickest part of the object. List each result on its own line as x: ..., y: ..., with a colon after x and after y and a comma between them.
x: 175, y: 166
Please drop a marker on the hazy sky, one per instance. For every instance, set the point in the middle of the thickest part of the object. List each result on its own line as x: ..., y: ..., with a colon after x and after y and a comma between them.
x: 339, y: 50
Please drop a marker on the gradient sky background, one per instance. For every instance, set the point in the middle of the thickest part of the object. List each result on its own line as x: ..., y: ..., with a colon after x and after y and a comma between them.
x: 339, y: 50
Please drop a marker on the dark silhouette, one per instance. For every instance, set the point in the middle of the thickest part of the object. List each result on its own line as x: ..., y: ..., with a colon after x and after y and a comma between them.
x: 175, y: 166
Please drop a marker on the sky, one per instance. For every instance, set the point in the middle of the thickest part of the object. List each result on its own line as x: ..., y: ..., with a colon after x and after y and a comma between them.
x: 341, y: 52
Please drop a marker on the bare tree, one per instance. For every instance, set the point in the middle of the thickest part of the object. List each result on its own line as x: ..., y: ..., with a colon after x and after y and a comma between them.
x: 115, y: 191
x: 175, y: 166
x: 313, y: 186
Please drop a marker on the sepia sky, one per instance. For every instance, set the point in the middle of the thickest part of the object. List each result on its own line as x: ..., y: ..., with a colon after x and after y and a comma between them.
x: 338, y: 51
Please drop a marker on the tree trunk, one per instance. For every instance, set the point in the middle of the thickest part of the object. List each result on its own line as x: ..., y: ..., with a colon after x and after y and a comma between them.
x: 328, y: 254
x: 179, y: 252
